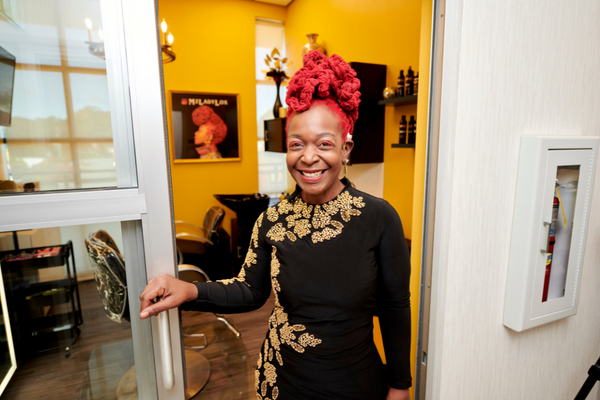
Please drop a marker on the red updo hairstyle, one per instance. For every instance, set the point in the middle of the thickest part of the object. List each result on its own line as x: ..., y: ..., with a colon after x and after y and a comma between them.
x: 205, y: 114
x: 328, y: 82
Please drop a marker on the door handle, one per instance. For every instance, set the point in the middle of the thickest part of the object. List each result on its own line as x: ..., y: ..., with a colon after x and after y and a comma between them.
x: 165, y: 349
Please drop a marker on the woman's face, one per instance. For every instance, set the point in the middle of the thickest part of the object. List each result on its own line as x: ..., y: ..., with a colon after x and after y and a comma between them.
x: 204, y: 134
x: 315, y: 154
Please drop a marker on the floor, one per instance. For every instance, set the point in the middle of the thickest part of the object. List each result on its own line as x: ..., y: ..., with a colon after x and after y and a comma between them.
x: 103, y: 354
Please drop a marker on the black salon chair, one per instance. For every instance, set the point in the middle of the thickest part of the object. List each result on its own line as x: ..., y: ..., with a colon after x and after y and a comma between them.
x: 199, y: 240
x: 208, y: 246
x: 109, y: 271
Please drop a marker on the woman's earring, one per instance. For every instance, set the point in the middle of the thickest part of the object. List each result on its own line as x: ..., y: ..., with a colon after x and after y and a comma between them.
x: 346, y: 167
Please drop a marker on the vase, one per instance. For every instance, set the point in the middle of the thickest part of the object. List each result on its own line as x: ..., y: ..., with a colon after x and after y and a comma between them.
x: 277, y: 102
x: 312, y: 45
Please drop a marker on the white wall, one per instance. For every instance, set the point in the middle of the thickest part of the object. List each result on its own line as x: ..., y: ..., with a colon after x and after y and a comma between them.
x: 520, y: 67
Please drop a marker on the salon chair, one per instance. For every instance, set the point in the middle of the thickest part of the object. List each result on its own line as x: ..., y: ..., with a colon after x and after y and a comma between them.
x: 207, y: 246
x: 109, y: 272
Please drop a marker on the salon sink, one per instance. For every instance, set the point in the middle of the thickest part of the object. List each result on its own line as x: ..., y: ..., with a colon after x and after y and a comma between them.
x: 247, y: 206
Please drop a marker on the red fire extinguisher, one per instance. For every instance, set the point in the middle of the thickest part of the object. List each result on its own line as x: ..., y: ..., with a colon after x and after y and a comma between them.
x: 551, y: 241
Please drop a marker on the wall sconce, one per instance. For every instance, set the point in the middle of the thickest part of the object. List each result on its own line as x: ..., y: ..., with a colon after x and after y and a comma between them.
x: 167, y: 43
x: 95, y: 48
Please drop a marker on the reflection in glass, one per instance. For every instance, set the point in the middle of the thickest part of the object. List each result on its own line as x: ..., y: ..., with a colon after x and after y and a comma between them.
x: 39, y: 107
x: 61, y: 135
x: 60, y: 328
x: 91, y: 106
x: 8, y: 362
x: 45, y: 162
x: 557, y: 264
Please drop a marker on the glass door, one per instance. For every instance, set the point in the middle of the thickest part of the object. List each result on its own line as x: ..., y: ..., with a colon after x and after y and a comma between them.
x: 85, y: 207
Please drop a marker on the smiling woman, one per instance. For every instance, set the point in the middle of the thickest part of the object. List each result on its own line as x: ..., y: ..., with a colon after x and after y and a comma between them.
x: 316, y: 153
x: 333, y: 257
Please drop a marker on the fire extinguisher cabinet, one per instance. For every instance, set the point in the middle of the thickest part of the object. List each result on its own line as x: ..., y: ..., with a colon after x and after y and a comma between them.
x: 551, y: 214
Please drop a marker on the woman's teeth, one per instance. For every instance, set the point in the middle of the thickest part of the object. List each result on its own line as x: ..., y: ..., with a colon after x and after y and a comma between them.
x: 312, y: 174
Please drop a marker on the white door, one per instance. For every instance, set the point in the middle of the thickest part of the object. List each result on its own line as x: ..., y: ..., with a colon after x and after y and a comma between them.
x: 86, y: 149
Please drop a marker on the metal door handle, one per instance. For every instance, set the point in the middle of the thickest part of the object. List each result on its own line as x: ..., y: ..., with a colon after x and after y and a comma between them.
x: 165, y: 350
x: 546, y: 250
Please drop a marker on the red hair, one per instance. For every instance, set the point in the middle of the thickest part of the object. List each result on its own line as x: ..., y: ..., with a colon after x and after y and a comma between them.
x: 204, y: 115
x: 328, y: 82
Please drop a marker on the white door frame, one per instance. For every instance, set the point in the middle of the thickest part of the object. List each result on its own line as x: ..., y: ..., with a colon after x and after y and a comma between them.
x: 440, y: 165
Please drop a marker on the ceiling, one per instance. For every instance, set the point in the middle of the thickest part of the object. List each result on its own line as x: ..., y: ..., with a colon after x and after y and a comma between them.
x: 284, y: 3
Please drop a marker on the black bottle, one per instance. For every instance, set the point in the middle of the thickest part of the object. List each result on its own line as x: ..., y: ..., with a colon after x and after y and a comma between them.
x: 402, y: 135
x: 412, y: 130
x: 400, y: 88
x: 410, y: 76
x: 416, y: 84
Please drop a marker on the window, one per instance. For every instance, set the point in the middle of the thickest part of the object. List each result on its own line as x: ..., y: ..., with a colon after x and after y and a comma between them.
x: 272, y: 171
x: 60, y: 135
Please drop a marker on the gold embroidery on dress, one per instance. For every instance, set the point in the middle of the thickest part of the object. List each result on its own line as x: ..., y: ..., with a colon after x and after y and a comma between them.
x: 257, y: 224
x: 263, y: 388
x: 277, y: 232
x: 250, y: 256
x: 300, y: 223
x: 280, y: 331
x: 272, y: 214
x: 284, y: 207
x: 231, y: 280
x: 259, y: 219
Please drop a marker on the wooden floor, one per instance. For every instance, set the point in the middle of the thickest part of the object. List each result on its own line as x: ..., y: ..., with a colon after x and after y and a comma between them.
x: 103, y: 354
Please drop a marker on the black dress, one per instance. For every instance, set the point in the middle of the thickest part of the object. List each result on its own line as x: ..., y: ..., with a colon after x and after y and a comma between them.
x: 331, y: 267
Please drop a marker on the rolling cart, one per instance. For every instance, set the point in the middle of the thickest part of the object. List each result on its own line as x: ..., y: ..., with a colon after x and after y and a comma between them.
x: 44, y: 315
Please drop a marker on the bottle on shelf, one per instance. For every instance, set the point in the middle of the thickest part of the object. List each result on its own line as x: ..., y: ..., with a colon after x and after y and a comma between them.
x: 402, y: 136
x: 400, y: 89
x: 410, y: 76
x: 412, y: 130
x: 416, y: 84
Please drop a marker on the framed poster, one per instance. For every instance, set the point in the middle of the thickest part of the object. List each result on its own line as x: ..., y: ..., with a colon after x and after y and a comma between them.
x: 205, y: 127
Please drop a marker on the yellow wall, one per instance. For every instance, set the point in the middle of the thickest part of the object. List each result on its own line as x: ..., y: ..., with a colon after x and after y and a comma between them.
x: 214, y: 43
x: 378, y: 32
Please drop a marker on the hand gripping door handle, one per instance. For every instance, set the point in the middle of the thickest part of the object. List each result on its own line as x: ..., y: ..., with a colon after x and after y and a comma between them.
x: 165, y: 350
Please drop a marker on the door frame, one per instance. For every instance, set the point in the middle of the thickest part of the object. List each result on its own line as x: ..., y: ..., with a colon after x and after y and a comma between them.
x: 445, y: 58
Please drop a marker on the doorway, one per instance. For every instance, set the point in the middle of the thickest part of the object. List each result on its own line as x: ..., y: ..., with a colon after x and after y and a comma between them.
x: 225, y: 55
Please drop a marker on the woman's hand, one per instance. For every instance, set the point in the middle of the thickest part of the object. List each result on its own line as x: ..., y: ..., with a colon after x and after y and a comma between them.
x: 173, y: 291
x: 398, y: 394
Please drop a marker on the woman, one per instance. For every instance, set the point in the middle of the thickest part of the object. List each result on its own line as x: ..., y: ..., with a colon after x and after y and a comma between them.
x: 332, y: 255
x: 211, y: 131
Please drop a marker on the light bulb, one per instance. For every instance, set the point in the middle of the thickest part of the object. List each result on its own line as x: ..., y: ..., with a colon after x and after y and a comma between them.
x: 170, y: 38
x: 88, y: 23
x: 101, y: 34
x: 163, y: 26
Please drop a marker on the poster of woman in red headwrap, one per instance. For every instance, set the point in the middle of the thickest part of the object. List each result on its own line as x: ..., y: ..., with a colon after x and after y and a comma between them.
x: 205, y: 126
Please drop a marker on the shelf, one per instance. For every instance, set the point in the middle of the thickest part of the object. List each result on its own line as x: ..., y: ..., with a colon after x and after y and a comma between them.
x: 398, y: 101
x: 34, y: 263
x: 403, y: 146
